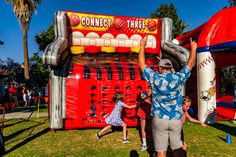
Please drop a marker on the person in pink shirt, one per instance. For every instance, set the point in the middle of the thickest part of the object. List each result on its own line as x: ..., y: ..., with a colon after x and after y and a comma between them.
x: 144, y: 113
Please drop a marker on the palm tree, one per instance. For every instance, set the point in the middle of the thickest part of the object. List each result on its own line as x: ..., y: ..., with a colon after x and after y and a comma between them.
x: 23, y: 9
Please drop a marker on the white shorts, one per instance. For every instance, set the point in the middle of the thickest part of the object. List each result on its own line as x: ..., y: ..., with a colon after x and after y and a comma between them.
x: 166, y: 132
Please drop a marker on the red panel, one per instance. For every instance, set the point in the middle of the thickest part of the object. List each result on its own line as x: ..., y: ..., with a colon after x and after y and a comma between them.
x: 123, y: 49
x: 224, y: 113
x: 226, y: 98
x: 126, y: 72
x: 219, y: 29
x: 115, y: 72
x: 72, y: 100
x: 93, y: 49
x: 194, y: 34
x: 104, y: 73
x: 77, y: 70
x: 89, y: 101
x: 93, y: 74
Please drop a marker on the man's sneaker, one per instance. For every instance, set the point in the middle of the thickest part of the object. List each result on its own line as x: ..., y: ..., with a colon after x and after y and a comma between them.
x: 126, y: 141
x: 97, y: 136
x: 143, y: 148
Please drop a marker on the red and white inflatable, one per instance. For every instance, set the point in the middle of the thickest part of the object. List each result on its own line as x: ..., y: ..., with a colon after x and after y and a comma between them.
x: 216, y: 48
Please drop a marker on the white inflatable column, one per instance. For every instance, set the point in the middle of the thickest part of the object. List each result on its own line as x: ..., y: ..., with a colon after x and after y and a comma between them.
x: 206, y: 84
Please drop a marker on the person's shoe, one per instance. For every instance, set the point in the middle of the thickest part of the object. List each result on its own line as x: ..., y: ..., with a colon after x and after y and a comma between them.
x: 97, y: 136
x: 143, y: 148
x: 126, y: 141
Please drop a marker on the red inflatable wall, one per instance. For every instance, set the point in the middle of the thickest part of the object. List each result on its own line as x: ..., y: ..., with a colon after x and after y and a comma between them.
x: 91, y: 86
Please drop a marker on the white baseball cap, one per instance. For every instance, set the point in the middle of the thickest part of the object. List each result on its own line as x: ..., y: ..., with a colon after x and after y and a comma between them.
x: 165, y: 63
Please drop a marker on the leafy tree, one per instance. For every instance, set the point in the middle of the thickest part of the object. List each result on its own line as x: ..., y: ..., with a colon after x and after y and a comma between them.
x: 169, y: 11
x: 227, y: 79
x: 1, y: 42
x: 45, y: 37
x: 232, y: 3
x: 23, y: 9
x: 39, y: 72
x: 14, y: 71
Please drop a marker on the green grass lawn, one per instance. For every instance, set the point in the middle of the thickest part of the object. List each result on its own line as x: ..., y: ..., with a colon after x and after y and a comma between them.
x: 33, y: 138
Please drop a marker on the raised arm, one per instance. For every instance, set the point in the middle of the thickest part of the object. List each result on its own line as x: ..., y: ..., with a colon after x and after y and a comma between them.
x: 141, y: 55
x: 192, y: 58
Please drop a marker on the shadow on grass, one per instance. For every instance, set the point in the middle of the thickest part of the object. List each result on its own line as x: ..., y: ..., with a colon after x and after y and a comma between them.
x: 222, y: 138
x: 107, y: 133
x: 28, y: 140
x: 225, y: 128
x: 20, y: 131
x: 7, y: 120
x: 18, y: 122
x: 27, y: 120
x: 149, y: 138
x: 9, y: 125
x: 133, y: 153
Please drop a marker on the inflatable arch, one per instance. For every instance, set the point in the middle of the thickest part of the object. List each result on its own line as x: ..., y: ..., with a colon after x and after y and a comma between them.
x: 216, y: 48
x: 84, y: 78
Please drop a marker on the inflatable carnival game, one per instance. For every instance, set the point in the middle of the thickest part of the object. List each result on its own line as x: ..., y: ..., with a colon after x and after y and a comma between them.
x: 93, y: 56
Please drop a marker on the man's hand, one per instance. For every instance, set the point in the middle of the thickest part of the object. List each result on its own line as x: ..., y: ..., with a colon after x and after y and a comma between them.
x: 193, y: 45
x: 141, y: 56
x: 192, y: 58
x: 143, y: 42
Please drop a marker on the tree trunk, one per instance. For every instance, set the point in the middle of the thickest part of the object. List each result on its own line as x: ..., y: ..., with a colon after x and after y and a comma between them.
x: 26, y: 55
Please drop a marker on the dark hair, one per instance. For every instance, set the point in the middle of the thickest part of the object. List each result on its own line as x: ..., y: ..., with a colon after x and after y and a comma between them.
x: 117, y: 96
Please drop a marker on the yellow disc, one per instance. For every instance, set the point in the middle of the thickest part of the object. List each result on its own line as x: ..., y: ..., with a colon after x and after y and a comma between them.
x: 108, y: 49
x: 77, y: 49
x: 135, y: 49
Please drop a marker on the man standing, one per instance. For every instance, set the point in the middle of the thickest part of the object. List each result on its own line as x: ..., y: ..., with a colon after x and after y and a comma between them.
x: 167, y: 100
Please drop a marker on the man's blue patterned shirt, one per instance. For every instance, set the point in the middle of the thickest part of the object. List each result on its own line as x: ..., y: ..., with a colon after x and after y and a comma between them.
x: 166, y: 92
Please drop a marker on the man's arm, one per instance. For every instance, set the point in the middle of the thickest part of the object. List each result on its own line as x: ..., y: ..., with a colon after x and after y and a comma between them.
x: 141, y: 55
x: 192, y: 58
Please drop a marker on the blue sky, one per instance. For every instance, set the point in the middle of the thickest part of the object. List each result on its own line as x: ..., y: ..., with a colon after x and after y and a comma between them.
x: 193, y: 12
